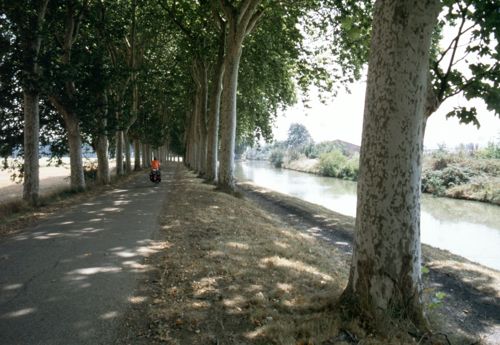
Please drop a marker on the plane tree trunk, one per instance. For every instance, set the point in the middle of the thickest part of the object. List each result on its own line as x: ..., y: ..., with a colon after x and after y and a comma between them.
x: 214, y: 110
x: 31, y: 148
x: 119, y: 152
x: 385, y: 278
x: 240, y: 22
x: 102, y: 146
x: 137, y: 155
x: 31, y: 39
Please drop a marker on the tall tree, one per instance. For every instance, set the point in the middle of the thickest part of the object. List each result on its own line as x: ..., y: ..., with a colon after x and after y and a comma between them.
x: 298, y: 136
x: 214, y: 98
x: 241, y: 20
x: 28, y: 19
x: 385, y: 278
x: 63, y: 97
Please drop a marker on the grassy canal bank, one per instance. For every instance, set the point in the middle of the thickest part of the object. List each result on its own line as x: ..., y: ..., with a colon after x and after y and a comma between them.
x: 452, y: 175
x: 267, y: 268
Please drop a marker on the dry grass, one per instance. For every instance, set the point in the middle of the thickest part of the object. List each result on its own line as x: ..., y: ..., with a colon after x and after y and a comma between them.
x: 304, y: 165
x: 15, y: 214
x: 234, y: 274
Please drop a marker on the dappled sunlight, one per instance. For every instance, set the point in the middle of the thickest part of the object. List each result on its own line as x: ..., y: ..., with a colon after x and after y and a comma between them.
x: 230, y: 280
x: 205, y: 286
x: 121, y: 202
x: 285, y: 287
x: 295, y: 235
x: 67, y: 223
x: 137, y: 299
x: 235, y: 304
x: 94, y: 270
x: 19, y: 313
x: 109, y: 315
x: 111, y: 209
x: 258, y: 332
x: 136, y: 267
x: 125, y: 254
x: 298, y: 266
x: 175, y: 224
x: 254, y: 287
x: 10, y: 287
x: 83, y: 266
x: 474, y: 275
x: 200, y: 305
x: 216, y: 254
x: 281, y: 244
x: 237, y: 245
x: 88, y: 230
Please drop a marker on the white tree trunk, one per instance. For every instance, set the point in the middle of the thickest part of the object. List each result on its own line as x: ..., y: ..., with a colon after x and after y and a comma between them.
x: 75, y: 152
x: 137, y: 155
x: 31, y: 148
x: 228, y: 112
x: 72, y: 125
x: 149, y: 156
x: 201, y: 119
x: 213, y: 119
x: 385, y: 278
x: 119, y: 153
x: 144, y: 155
x: 103, y: 175
x: 128, y: 153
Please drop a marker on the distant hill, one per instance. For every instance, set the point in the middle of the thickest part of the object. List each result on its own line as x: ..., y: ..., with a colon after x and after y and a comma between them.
x: 346, y: 148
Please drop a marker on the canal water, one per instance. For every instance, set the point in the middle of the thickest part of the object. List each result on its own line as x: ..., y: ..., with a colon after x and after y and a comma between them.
x: 466, y: 228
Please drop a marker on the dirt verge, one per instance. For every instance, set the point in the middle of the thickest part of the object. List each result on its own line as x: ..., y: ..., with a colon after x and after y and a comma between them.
x: 15, y: 215
x: 267, y: 268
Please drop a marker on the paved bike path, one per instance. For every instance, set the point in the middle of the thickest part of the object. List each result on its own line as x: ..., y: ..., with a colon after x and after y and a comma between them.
x: 71, y: 278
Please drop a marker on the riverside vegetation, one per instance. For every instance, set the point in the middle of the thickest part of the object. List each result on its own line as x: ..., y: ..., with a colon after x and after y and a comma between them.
x: 468, y: 172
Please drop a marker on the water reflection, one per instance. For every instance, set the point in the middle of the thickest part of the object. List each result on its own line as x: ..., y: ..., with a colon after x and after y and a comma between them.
x: 467, y: 228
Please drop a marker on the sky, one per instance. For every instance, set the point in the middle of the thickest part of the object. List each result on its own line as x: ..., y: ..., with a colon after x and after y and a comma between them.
x: 343, y: 119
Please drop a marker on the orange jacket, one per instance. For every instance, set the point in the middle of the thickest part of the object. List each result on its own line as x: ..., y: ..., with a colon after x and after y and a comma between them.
x: 155, y: 164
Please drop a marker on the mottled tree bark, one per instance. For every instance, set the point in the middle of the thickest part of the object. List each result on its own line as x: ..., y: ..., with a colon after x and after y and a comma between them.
x: 103, y: 175
x: 128, y: 154
x: 75, y: 152
x: 72, y: 125
x: 385, y: 277
x: 66, y: 106
x: 202, y: 121
x: 31, y: 148
x: 228, y: 111
x: 119, y: 153
x: 240, y: 22
x: 143, y: 155
x: 31, y: 39
x: 137, y: 155
x: 102, y: 144
x: 149, y: 156
x: 214, y: 113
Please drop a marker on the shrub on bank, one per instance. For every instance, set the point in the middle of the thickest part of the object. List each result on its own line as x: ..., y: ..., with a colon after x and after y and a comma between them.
x: 335, y: 164
x: 277, y: 157
x: 438, y: 181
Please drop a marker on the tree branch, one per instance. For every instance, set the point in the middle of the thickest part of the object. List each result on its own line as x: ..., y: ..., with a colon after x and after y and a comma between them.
x: 227, y: 7
x: 176, y: 21
x: 444, y: 80
x: 78, y: 20
x: 244, y: 18
x: 253, y: 21
x: 457, y: 37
